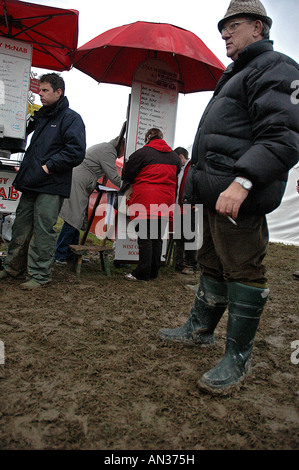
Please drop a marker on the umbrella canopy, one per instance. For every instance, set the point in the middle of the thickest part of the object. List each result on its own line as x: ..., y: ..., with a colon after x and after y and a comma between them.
x: 53, y: 32
x: 112, y: 57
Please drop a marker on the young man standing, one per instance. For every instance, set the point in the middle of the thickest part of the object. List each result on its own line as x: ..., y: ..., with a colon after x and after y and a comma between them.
x: 44, y: 178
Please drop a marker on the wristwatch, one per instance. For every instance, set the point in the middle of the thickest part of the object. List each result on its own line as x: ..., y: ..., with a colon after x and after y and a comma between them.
x: 244, y: 182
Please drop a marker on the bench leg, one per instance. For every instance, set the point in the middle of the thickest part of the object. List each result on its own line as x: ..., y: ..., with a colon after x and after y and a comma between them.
x: 78, y: 264
x: 105, y: 263
x: 102, y: 261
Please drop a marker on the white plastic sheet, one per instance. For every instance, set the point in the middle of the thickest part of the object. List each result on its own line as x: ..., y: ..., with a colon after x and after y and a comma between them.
x: 283, y: 223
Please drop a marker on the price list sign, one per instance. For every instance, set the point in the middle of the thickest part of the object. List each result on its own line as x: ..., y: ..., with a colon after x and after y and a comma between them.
x: 15, y: 63
x: 154, y: 101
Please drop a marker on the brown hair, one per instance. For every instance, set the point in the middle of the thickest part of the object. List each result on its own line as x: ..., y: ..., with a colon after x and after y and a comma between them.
x: 55, y: 80
x: 153, y: 134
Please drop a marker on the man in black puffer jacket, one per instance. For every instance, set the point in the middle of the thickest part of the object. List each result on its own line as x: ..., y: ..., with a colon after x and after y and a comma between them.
x: 44, y: 178
x: 247, y: 141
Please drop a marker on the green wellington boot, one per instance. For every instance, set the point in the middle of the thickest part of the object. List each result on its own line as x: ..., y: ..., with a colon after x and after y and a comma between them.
x: 244, y: 308
x: 209, y: 305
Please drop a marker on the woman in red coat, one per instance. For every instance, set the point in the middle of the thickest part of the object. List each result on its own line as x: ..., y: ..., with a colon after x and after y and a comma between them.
x: 152, y: 171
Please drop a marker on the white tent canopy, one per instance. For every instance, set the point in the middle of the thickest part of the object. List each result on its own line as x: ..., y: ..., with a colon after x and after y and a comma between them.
x: 283, y: 223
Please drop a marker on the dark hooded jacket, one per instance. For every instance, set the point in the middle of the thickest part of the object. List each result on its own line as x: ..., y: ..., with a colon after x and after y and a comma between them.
x: 59, y: 143
x: 250, y: 128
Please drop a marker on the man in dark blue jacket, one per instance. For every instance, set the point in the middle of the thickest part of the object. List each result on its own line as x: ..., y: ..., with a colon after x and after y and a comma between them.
x: 247, y: 141
x: 57, y: 146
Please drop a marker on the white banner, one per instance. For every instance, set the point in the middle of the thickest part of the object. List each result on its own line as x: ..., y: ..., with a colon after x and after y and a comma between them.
x: 9, y: 196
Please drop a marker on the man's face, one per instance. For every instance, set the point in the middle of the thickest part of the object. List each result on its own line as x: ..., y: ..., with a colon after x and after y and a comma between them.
x: 244, y: 33
x: 183, y: 159
x: 47, y: 95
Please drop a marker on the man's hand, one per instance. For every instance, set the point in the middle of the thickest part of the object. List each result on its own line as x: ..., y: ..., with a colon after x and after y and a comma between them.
x: 230, y: 200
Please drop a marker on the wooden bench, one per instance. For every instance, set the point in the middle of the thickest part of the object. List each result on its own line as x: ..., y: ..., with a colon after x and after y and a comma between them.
x: 83, y: 250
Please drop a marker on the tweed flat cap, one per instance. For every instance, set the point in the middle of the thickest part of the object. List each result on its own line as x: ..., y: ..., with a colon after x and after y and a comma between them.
x: 252, y: 8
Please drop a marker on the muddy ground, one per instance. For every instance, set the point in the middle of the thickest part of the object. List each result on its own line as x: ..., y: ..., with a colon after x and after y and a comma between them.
x: 84, y: 369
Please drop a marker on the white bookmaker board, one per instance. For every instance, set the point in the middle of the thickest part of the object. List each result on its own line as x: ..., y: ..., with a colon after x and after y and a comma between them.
x: 15, y: 64
x: 154, y: 99
x: 9, y: 196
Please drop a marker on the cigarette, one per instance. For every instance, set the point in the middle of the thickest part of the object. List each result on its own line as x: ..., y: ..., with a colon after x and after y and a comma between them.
x: 231, y: 220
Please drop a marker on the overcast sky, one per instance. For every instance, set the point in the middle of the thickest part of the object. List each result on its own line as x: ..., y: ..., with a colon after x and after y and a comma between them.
x: 103, y: 107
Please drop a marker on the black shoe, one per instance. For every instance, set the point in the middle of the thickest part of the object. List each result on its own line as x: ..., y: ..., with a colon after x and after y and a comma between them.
x: 4, y: 274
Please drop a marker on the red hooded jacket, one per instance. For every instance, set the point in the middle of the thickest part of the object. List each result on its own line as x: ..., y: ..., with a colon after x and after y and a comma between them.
x: 153, y: 172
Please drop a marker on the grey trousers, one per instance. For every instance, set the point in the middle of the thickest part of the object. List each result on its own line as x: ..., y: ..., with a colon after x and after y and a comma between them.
x: 33, y: 241
x: 234, y: 252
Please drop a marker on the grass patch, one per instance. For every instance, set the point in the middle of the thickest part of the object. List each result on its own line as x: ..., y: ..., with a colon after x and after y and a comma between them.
x: 91, y: 238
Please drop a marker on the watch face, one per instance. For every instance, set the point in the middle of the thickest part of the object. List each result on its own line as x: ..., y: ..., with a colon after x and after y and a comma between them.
x: 246, y: 185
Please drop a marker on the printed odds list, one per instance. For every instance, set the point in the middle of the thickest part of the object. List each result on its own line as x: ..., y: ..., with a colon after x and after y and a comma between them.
x: 153, y: 103
x: 157, y: 108
x: 15, y: 63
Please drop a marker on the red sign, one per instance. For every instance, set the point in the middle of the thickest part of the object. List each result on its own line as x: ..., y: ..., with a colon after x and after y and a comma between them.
x: 9, y: 196
x: 34, y: 85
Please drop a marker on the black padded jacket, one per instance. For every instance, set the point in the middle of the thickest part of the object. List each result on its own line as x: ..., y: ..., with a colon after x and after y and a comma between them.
x: 250, y: 128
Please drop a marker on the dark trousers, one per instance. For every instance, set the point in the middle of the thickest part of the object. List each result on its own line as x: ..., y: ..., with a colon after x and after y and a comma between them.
x: 185, y: 258
x: 150, y: 248
x: 234, y: 252
x: 68, y: 236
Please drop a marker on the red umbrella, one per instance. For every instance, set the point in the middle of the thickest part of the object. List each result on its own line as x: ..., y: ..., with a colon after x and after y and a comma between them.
x: 53, y: 32
x: 112, y: 57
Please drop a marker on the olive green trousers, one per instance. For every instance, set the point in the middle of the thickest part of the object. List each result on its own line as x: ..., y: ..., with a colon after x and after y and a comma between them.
x: 33, y: 241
